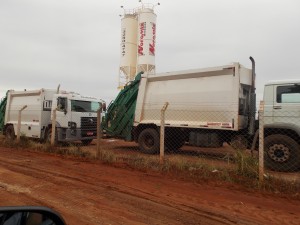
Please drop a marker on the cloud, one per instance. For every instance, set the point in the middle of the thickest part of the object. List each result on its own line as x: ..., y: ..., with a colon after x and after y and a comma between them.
x: 77, y: 43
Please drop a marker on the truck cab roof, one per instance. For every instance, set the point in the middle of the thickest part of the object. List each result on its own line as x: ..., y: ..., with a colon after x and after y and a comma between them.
x: 287, y: 81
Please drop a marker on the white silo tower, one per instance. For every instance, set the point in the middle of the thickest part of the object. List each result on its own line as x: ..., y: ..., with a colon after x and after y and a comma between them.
x: 146, y: 38
x: 128, y: 62
x: 138, y: 40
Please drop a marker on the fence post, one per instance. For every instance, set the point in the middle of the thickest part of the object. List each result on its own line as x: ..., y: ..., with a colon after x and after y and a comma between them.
x: 99, y: 132
x: 53, y: 122
x: 19, y: 123
x: 52, y: 142
x: 261, y: 141
x: 162, y: 133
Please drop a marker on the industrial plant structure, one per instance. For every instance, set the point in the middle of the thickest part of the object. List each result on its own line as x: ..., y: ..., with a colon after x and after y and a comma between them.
x: 138, y: 37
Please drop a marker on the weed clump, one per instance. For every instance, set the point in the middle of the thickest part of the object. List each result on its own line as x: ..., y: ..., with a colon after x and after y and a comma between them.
x: 246, y: 165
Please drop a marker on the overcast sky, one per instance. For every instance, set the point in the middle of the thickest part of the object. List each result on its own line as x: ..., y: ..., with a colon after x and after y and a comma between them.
x: 76, y: 43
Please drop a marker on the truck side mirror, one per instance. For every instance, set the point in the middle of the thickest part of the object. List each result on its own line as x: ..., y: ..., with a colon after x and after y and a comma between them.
x: 30, y: 215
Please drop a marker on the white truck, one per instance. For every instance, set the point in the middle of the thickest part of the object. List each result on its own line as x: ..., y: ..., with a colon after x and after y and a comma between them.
x: 208, y: 107
x: 76, y: 115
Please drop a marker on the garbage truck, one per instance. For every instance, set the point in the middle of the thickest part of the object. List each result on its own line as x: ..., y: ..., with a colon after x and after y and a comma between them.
x: 207, y: 108
x: 76, y: 115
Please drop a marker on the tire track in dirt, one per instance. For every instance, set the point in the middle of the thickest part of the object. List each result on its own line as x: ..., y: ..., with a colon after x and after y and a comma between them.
x: 133, y: 192
x: 95, y: 192
x: 115, y: 195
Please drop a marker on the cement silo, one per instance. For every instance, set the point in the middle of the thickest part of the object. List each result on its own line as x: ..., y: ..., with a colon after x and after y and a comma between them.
x: 128, y: 61
x: 138, y: 40
x: 146, y: 39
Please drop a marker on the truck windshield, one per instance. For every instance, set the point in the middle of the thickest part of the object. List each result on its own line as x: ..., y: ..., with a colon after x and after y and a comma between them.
x: 84, y: 106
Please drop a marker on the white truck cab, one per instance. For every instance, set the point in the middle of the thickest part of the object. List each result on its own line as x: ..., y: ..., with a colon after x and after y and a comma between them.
x: 282, y: 124
x: 76, y: 117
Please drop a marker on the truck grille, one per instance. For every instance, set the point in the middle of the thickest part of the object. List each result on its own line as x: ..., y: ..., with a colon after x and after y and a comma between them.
x: 88, y: 126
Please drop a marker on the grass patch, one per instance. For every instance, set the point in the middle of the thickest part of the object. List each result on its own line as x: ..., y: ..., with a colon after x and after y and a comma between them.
x: 26, y: 143
x: 281, y: 186
x: 247, y: 165
x: 108, y: 157
x: 243, y: 172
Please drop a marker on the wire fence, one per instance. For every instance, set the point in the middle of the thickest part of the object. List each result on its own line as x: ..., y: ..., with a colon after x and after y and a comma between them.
x: 215, y: 137
x: 219, y: 136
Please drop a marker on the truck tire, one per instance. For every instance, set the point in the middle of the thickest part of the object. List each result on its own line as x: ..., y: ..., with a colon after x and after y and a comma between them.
x: 149, y: 141
x: 282, y: 153
x: 87, y: 142
x: 10, y: 133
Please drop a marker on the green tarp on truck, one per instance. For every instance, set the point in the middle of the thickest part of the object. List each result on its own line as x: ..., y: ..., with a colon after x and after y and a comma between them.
x: 2, y: 112
x: 118, y: 121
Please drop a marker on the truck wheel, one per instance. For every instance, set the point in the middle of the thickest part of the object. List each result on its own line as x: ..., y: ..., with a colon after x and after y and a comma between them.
x: 282, y: 153
x: 87, y: 142
x: 10, y: 133
x: 149, y: 141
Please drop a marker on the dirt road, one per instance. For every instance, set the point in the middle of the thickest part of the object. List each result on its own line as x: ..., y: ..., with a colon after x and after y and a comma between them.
x: 87, y: 192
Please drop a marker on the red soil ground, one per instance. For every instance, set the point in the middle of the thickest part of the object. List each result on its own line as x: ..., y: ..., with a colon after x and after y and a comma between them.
x: 88, y: 192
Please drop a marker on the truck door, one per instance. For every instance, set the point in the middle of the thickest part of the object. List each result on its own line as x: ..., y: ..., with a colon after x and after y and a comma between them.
x: 286, y: 108
x: 62, y: 115
x: 269, y: 104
